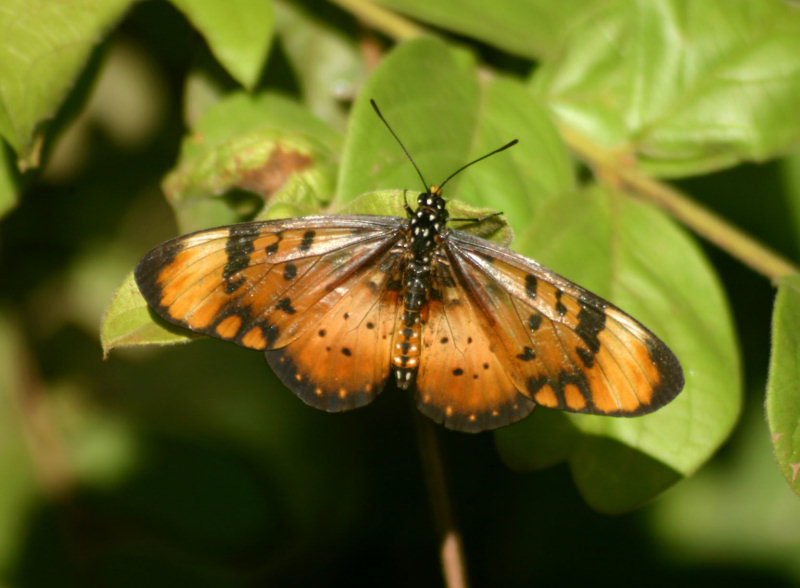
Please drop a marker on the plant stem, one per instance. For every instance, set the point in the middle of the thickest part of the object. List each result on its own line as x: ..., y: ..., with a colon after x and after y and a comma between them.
x: 695, y: 216
x: 385, y: 21
x: 451, y: 553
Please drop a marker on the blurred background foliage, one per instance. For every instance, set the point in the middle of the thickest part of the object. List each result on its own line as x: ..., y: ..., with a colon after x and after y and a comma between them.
x: 190, y: 465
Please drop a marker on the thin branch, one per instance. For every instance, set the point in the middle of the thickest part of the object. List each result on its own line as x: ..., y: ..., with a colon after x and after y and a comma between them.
x: 389, y: 23
x: 698, y: 218
x: 451, y: 552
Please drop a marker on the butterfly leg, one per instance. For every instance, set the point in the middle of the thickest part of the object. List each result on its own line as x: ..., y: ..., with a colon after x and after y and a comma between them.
x: 480, y: 219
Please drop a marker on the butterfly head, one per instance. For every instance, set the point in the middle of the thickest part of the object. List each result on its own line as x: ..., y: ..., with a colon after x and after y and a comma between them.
x: 432, y: 200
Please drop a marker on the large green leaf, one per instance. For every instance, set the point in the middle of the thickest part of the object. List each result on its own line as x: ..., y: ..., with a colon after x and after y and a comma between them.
x: 687, y: 86
x: 783, y: 400
x: 238, y: 32
x: 45, y: 46
x: 530, y: 28
x: 444, y: 123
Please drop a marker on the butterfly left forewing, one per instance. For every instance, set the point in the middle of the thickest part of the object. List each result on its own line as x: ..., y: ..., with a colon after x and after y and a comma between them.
x: 238, y: 282
x: 566, y: 348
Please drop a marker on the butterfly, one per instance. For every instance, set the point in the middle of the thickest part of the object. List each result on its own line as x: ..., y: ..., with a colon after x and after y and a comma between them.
x: 343, y: 304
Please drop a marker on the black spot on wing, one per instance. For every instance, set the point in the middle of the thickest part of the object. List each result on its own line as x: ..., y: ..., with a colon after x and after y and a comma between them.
x: 289, y: 271
x: 308, y: 240
x: 591, y: 322
x: 534, y: 321
x: 234, y: 285
x: 560, y: 308
x: 527, y: 354
x: 530, y: 286
x: 238, y: 248
x: 272, y: 248
x: 285, y: 304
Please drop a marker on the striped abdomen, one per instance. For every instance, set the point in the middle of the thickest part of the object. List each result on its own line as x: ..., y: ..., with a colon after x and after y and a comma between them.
x: 406, y: 343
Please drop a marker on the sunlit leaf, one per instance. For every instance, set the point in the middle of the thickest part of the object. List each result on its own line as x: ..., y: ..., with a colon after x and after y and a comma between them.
x: 45, y: 46
x: 687, y: 87
x: 238, y: 32
x: 783, y: 390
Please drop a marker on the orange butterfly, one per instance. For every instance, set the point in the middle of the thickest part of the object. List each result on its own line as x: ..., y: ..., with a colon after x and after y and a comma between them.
x: 340, y: 304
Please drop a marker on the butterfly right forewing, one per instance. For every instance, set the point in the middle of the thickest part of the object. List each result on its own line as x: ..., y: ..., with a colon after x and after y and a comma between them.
x: 566, y: 347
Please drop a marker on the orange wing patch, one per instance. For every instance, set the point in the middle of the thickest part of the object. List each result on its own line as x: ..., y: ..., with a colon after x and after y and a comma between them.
x: 463, y: 381
x: 564, y: 347
x: 260, y: 284
x: 343, y: 361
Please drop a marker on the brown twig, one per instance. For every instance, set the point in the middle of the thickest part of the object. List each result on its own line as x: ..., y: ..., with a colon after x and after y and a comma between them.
x: 696, y: 217
x: 451, y: 552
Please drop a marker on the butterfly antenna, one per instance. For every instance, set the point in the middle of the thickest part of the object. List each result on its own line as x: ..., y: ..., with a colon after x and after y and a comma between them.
x: 403, y: 147
x: 463, y: 167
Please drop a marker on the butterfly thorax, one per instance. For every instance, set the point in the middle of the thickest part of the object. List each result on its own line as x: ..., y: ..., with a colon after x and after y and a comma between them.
x: 425, y: 228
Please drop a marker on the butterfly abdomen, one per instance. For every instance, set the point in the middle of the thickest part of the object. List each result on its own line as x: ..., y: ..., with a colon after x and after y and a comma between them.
x: 406, y: 348
x: 423, y: 238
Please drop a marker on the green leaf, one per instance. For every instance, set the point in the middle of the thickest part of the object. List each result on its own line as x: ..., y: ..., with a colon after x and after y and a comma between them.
x: 454, y: 121
x: 328, y: 65
x: 688, y: 87
x: 783, y: 400
x: 530, y: 28
x: 129, y: 322
x: 238, y: 32
x: 243, y: 152
x: 45, y: 46
x: 631, y: 254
